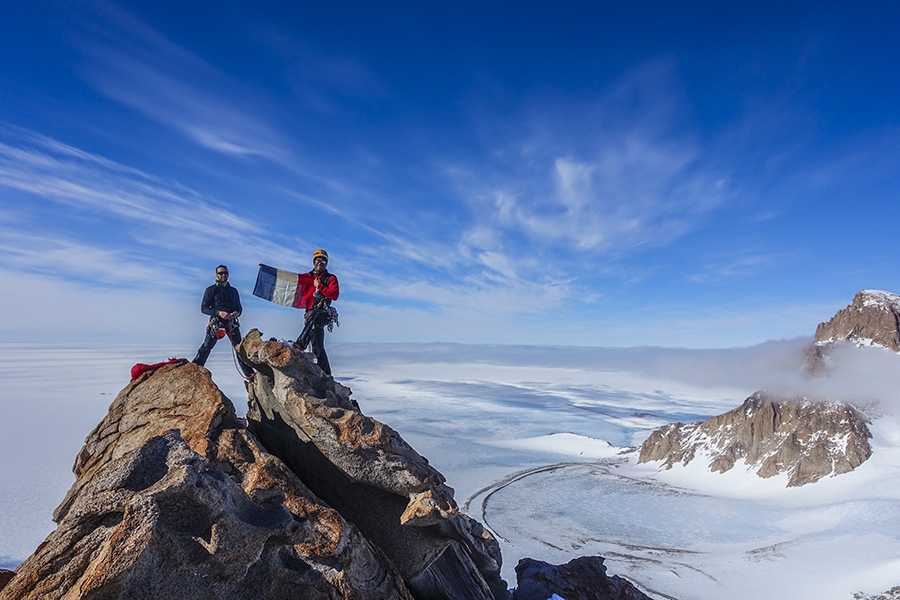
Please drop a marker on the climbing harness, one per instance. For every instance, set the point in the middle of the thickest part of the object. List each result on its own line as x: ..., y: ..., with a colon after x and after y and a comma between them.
x: 223, y: 329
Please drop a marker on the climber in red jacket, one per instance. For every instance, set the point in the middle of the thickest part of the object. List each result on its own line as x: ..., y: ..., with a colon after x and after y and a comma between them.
x: 318, y: 289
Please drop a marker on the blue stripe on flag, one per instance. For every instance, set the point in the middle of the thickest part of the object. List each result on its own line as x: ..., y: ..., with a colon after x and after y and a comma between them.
x: 265, y: 282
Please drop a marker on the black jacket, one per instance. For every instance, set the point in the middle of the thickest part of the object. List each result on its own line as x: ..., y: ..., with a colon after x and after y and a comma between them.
x: 220, y: 297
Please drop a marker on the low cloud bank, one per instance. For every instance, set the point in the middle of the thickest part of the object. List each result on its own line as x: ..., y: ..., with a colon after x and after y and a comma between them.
x: 867, y: 377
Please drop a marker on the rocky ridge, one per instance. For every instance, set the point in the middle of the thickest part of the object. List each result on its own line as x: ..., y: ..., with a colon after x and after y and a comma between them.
x: 806, y: 439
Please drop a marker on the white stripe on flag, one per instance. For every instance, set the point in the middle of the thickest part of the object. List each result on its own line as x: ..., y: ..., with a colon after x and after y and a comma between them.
x: 285, y: 288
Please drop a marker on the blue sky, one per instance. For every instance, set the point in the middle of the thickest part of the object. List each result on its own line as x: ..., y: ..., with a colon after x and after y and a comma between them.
x: 697, y: 174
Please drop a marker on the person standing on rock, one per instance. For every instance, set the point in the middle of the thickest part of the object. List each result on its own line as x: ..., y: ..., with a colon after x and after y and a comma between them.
x: 318, y: 289
x: 222, y: 302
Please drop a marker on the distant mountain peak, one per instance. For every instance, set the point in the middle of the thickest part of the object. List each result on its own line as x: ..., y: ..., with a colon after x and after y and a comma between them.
x: 806, y: 439
x: 872, y: 319
x: 879, y: 298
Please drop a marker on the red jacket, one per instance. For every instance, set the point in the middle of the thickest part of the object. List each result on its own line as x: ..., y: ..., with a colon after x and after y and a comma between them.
x: 308, y: 288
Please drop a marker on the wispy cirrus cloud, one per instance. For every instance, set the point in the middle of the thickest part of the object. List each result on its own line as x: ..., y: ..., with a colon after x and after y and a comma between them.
x: 137, y: 66
x: 555, y: 191
x: 608, y: 175
x: 624, y: 199
x: 79, y: 216
x: 86, y: 261
x: 56, y: 172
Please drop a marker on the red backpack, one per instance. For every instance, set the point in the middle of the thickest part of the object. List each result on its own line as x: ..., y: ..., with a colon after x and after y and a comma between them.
x: 140, y: 368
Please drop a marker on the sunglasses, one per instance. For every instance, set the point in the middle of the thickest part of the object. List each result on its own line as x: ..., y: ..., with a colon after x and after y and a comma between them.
x: 320, y: 260
x: 221, y: 272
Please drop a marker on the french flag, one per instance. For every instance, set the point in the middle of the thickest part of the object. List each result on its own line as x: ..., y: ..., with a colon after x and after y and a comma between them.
x: 278, y: 286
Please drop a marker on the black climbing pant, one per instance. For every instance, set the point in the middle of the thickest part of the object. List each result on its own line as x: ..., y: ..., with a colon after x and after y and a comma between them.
x: 314, y: 333
x: 232, y: 330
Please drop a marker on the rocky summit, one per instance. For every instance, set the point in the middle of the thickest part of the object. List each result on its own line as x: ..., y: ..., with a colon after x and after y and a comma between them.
x: 177, y: 497
x: 806, y: 439
x: 872, y: 319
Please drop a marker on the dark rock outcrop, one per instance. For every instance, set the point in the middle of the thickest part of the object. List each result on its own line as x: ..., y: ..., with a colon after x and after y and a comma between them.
x: 583, y: 578
x: 806, y: 439
x: 5, y: 577
x: 370, y: 475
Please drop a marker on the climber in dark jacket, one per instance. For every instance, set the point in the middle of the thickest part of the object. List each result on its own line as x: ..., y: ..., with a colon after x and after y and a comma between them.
x: 222, y: 303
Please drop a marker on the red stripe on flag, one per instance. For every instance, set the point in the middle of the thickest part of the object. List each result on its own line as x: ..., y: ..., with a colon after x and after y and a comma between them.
x: 298, y: 294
